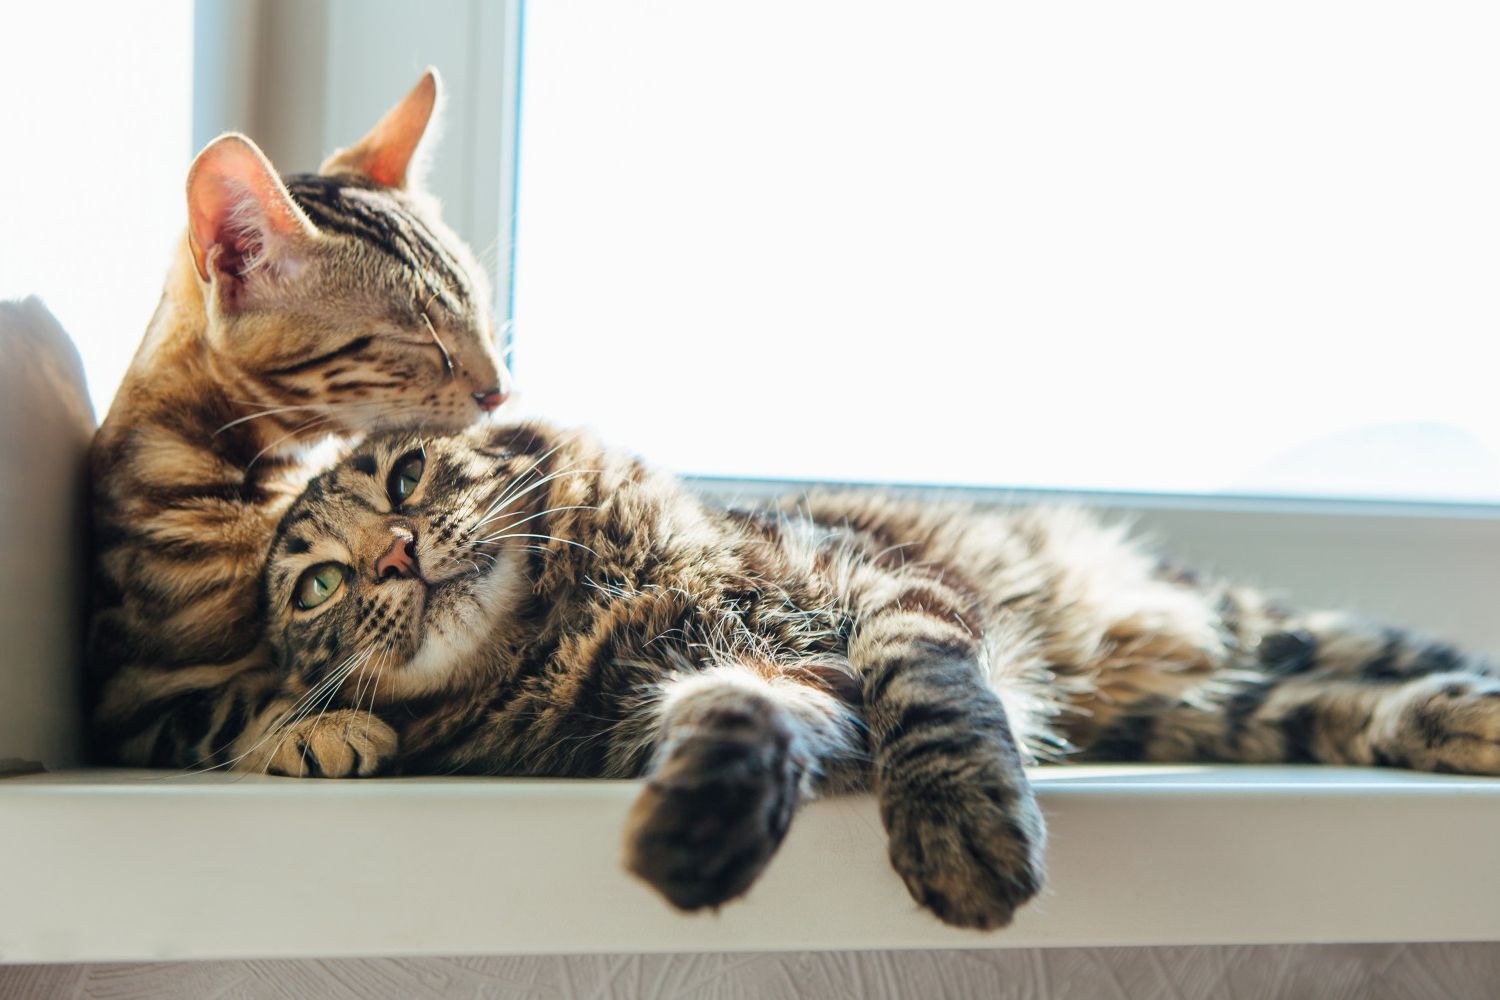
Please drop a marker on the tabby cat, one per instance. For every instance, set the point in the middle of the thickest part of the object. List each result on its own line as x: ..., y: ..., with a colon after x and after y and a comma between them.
x: 519, y: 600
x: 321, y: 303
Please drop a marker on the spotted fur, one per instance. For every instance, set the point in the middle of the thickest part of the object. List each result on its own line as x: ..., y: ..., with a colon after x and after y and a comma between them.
x: 330, y: 303
x: 541, y: 605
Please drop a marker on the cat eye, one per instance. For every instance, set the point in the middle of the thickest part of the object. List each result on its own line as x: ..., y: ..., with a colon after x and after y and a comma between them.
x: 405, y: 476
x: 317, y: 585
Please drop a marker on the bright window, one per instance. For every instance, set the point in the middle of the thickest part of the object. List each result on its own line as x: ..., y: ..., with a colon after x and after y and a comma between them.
x: 96, y: 119
x: 1161, y: 246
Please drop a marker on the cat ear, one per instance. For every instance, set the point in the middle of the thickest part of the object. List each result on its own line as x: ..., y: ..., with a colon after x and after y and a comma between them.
x: 387, y: 154
x: 240, y: 216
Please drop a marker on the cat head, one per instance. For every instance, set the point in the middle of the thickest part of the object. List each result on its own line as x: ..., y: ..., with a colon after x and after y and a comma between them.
x: 339, y: 301
x: 398, y: 562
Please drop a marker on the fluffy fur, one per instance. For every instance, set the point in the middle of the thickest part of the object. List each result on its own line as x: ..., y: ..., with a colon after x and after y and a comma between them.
x: 537, y: 604
x: 328, y: 303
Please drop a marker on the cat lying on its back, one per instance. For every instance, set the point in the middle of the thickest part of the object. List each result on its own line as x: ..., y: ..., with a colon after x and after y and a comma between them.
x: 322, y: 303
x: 519, y: 600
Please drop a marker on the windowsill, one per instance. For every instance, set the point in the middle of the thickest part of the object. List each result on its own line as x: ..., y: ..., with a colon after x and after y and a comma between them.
x: 123, y: 865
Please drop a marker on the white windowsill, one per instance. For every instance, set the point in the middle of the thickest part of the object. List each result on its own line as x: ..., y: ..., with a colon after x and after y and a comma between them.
x: 133, y: 865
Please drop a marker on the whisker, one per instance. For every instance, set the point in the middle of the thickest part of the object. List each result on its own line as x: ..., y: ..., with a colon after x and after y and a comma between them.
x: 359, y: 687
x: 287, y: 718
x: 547, y: 479
x: 256, y: 416
x: 533, y: 517
x: 314, y: 422
x: 447, y: 358
x: 551, y: 538
x: 518, y: 481
x: 324, y: 704
x: 325, y: 406
x: 330, y: 688
x: 374, y: 692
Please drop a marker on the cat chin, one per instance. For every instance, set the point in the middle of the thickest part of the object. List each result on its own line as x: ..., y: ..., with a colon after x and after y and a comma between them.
x: 458, y: 621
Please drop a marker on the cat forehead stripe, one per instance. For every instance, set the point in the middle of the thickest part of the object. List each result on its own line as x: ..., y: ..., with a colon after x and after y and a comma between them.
x: 346, y: 207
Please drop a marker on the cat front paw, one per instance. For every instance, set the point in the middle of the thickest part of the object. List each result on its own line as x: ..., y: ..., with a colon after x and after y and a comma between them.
x: 1447, y: 723
x: 968, y: 846
x: 716, y: 809
x: 343, y: 743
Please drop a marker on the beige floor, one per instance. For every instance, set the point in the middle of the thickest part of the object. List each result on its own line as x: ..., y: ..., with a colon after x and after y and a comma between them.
x: 1328, y: 972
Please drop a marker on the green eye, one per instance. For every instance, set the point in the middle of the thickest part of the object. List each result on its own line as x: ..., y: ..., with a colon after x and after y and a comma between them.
x: 317, y: 585
x: 405, y: 476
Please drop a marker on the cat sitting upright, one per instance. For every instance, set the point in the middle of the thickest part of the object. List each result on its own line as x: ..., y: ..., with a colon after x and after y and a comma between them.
x: 296, y: 307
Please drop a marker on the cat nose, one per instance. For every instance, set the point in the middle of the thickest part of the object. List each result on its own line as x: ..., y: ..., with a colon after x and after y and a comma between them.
x: 490, y: 399
x: 400, y: 560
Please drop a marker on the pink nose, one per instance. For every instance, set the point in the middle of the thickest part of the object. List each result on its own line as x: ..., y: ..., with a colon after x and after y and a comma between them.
x: 490, y: 399
x: 401, y: 560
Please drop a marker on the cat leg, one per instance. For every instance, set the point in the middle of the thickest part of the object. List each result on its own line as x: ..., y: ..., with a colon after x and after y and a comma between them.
x: 240, y: 715
x: 337, y: 743
x: 302, y: 732
x: 736, y: 754
x: 965, y: 832
x: 1323, y: 689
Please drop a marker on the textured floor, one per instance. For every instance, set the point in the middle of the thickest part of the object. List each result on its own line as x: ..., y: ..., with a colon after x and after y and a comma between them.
x: 1325, y: 972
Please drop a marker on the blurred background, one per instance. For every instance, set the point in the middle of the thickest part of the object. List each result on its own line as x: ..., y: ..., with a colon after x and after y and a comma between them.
x: 1161, y: 247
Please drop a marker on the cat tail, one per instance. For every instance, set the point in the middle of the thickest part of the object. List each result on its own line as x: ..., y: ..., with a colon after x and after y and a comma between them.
x: 1325, y: 688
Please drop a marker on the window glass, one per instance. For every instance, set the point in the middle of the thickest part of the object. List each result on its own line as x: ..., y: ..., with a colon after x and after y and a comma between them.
x: 1159, y: 246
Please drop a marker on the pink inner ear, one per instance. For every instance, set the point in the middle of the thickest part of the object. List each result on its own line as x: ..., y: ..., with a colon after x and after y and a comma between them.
x: 237, y: 208
x: 235, y: 248
x: 385, y: 154
x: 387, y: 166
x: 226, y: 220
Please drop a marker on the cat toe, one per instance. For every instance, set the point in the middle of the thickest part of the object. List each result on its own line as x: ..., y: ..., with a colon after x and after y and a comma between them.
x: 339, y: 744
x: 709, y: 821
x: 971, y: 855
x: 1447, y: 723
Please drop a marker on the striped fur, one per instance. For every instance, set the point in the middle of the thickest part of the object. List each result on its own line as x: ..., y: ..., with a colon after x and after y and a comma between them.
x: 370, y: 314
x: 563, y: 609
